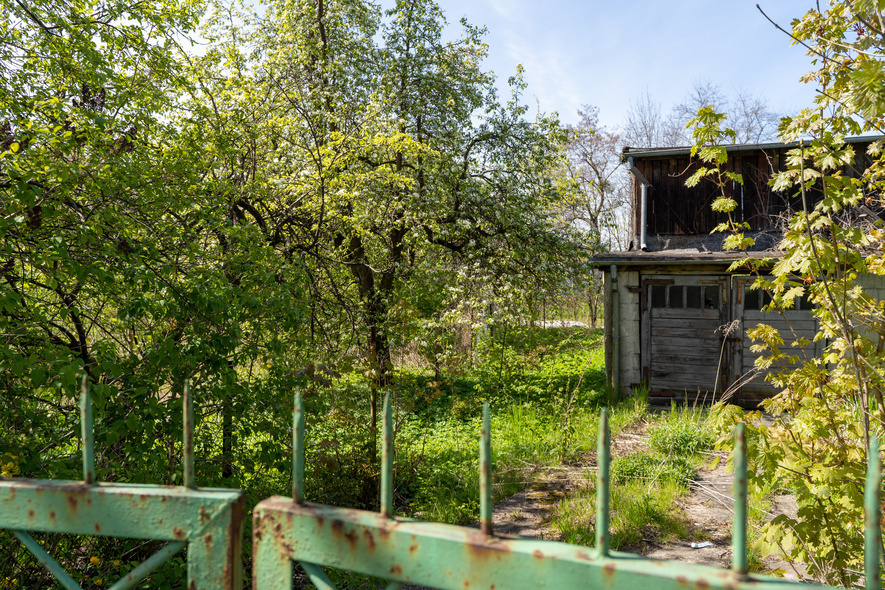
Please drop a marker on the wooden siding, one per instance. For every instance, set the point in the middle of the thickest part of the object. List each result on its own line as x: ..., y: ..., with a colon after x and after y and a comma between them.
x: 631, y: 361
x: 792, y: 327
x: 685, y: 349
x: 674, y: 209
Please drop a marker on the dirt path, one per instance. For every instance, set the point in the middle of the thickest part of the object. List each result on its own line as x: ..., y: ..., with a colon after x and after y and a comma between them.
x: 709, y: 508
x: 526, y: 513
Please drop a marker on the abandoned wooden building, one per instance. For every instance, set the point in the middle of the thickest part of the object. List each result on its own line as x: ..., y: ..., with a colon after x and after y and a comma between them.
x: 675, y: 318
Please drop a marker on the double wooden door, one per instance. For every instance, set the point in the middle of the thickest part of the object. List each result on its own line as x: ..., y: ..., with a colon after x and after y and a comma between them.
x: 694, y: 336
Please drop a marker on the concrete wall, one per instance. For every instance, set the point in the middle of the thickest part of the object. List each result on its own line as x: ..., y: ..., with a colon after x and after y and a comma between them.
x: 631, y: 359
x: 629, y: 370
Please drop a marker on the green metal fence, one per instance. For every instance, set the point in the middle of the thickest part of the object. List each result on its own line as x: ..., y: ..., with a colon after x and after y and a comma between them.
x: 208, y: 522
x: 401, y: 550
x: 289, y: 530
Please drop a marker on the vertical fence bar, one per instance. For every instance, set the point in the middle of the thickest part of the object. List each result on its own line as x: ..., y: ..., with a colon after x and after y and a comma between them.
x: 603, y: 463
x: 187, y: 404
x: 872, y: 528
x: 387, y: 461
x: 485, y: 472
x: 87, y: 432
x: 298, y: 450
x: 739, y: 534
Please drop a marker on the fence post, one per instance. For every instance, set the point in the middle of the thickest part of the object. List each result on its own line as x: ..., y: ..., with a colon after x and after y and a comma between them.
x: 739, y: 534
x: 603, y: 461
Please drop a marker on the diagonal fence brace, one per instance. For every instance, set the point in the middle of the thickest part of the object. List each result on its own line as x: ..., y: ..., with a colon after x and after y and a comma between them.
x: 207, y: 521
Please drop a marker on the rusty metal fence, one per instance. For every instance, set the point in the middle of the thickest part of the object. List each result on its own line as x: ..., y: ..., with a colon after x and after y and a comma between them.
x: 207, y: 521
x: 400, y: 550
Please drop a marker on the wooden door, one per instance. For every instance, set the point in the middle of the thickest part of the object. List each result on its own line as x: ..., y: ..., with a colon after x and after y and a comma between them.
x: 683, y: 348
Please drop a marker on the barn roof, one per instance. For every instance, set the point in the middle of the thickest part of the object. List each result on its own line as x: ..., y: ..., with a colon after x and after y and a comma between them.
x: 667, y: 152
x: 676, y: 257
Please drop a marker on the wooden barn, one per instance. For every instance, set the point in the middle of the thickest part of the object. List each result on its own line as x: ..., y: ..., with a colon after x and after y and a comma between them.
x: 675, y: 318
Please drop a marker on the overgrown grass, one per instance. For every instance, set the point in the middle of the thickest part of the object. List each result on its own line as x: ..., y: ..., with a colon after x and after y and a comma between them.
x: 640, y: 511
x: 544, y: 401
x: 682, y: 432
x: 645, y: 485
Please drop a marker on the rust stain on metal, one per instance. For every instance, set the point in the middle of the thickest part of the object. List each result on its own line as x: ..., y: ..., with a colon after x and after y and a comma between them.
x: 204, y: 516
x: 31, y: 514
x: 208, y: 541
x: 583, y: 555
x: 396, y: 569
x: 682, y: 580
x: 72, y: 503
x: 609, y: 569
x: 483, y: 547
x: 351, y: 536
x: 178, y: 533
x: 370, y: 540
x: 537, y: 554
x: 413, y: 547
x: 97, y: 528
x: 52, y: 515
x: 235, y: 532
x: 702, y: 584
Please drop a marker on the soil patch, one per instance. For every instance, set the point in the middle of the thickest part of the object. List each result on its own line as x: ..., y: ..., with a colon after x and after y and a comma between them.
x: 710, y: 509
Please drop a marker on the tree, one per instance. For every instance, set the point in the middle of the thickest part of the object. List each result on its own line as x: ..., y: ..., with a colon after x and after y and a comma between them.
x: 829, y: 408
x: 646, y: 126
x: 123, y: 256
x: 387, y: 161
x: 594, y: 166
x: 748, y: 115
x: 752, y: 119
x: 703, y: 94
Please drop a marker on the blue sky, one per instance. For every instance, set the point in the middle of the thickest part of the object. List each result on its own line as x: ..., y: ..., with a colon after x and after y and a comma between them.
x: 607, y: 53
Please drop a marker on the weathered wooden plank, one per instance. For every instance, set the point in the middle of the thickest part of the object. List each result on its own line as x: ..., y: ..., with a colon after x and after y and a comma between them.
x: 788, y: 347
x: 659, y: 383
x: 688, y: 314
x: 688, y: 376
x: 792, y: 316
x: 686, y: 331
x: 680, y: 390
x: 749, y: 363
x: 688, y: 372
x: 678, y: 362
x: 666, y: 342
